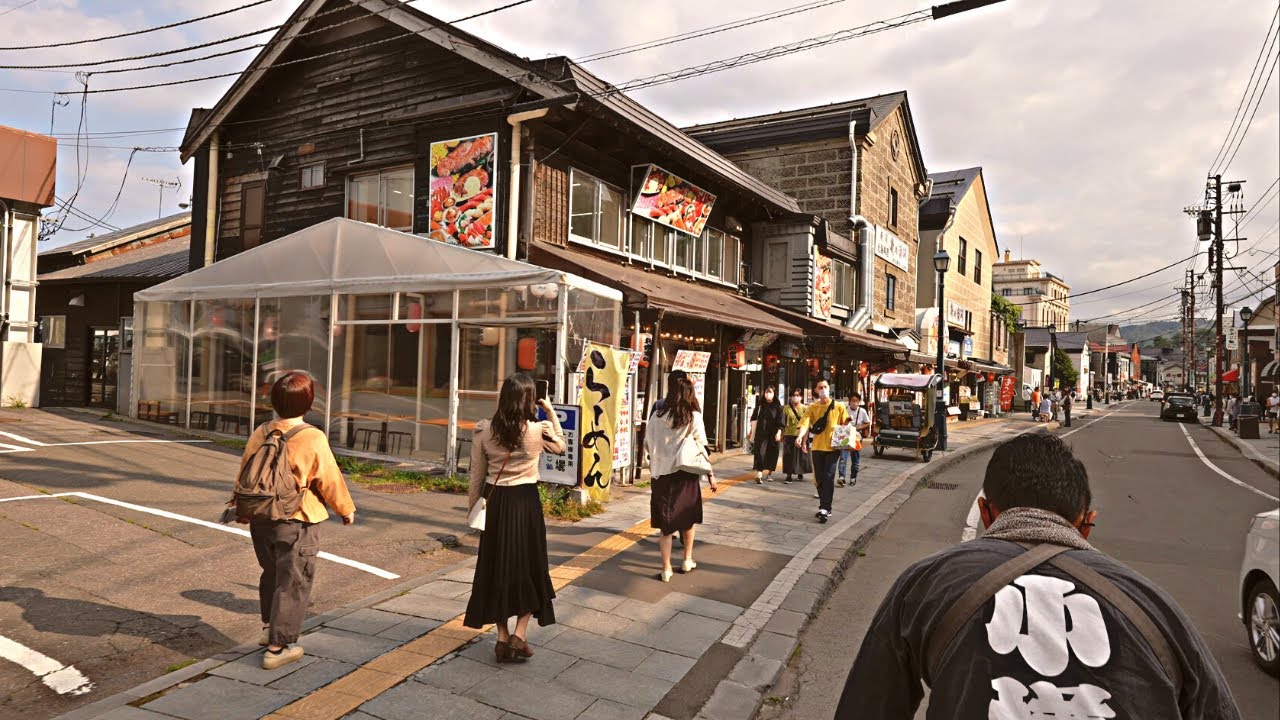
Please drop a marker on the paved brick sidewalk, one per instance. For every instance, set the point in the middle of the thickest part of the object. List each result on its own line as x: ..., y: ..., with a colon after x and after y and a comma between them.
x: 1264, y: 451
x: 643, y: 650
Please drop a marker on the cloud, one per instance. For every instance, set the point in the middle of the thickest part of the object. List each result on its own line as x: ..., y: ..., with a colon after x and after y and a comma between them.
x: 1095, y: 121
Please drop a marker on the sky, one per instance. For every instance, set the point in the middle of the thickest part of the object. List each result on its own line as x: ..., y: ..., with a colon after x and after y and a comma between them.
x: 1095, y: 121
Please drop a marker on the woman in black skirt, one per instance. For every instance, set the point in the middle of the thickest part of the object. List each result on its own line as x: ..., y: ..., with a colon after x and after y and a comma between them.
x: 766, y: 435
x: 795, y: 461
x: 676, y: 501
x: 511, y: 577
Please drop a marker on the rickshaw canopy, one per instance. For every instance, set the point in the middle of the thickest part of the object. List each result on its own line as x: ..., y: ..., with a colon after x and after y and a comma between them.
x: 908, y: 382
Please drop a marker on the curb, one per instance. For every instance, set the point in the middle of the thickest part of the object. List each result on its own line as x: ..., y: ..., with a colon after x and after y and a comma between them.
x: 1250, y: 452
x: 742, y: 692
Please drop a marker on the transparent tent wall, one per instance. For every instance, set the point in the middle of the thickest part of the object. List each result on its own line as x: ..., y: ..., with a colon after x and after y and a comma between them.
x: 591, y: 317
x: 160, y: 361
x: 222, y: 366
x: 293, y: 336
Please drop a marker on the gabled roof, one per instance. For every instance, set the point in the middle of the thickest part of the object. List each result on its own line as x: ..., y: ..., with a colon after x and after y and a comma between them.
x: 162, y: 260
x: 102, y: 243
x: 808, y: 124
x: 347, y: 256
x: 949, y: 188
x: 954, y: 183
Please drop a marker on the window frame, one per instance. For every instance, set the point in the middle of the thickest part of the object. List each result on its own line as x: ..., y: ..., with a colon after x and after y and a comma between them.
x: 302, y: 176
x: 46, y: 331
x: 890, y: 292
x: 962, y: 266
x: 893, y: 206
x: 577, y: 177
x: 382, y: 209
x: 977, y: 266
x: 839, y: 268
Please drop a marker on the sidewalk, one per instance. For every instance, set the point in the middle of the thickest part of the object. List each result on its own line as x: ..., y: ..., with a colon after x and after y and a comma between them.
x: 625, y: 645
x: 1264, y: 452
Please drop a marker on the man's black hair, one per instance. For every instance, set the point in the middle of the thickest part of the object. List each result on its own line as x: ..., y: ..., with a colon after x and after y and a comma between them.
x: 1037, y: 471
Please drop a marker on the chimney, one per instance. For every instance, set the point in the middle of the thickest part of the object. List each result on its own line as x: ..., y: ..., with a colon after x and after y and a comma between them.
x: 1008, y: 256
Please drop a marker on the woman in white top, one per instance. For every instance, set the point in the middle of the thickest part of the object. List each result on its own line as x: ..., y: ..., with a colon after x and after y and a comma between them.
x: 675, y: 504
x: 511, y: 577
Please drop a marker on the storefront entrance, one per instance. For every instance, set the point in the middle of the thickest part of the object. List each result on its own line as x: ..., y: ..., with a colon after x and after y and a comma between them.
x: 104, y: 364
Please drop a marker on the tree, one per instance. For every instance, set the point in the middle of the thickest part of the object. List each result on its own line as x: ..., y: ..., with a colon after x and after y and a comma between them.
x: 1063, y: 371
x: 1008, y: 311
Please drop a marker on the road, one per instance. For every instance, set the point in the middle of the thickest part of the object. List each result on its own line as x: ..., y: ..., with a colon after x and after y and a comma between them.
x: 1161, y: 511
x: 132, y: 576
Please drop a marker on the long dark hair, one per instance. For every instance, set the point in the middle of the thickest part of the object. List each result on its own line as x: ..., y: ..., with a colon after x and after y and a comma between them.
x: 680, y: 402
x: 516, y: 407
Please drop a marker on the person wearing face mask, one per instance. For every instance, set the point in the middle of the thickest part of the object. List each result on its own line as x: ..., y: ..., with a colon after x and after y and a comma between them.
x: 767, y: 423
x: 795, y: 461
x: 816, y: 427
x: 851, y: 460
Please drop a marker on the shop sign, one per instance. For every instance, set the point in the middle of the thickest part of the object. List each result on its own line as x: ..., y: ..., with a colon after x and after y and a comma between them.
x: 622, y: 437
x: 464, y: 173
x: 691, y: 361
x: 1007, y: 386
x: 790, y: 349
x: 562, y: 469
x: 953, y: 347
x: 955, y: 313
x: 669, y: 200
x: 602, y: 395
x: 756, y: 341
x: 968, y: 347
x: 892, y: 248
x: 822, y: 286
x: 1233, y: 338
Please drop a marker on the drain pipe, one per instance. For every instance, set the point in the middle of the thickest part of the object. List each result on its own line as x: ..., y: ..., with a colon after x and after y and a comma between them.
x: 6, y: 235
x: 513, y: 196
x: 211, y: 202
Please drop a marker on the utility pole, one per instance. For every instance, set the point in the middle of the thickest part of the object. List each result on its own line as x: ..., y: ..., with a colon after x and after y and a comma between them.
x: 1219, y: 340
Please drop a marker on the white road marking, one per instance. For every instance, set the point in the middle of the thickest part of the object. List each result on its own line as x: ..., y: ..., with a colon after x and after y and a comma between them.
x: 21, y: 439
x: 62, y: 679
x: 385, y: 574
x: 121, y: 442
x: 1219, y: 470
x: 6, y: 448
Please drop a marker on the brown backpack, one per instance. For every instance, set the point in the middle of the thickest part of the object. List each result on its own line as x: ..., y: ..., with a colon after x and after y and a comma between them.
x: 266, y: 489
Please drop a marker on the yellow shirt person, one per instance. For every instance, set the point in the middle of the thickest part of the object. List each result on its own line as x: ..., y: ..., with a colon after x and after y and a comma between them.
x: 839, y: 415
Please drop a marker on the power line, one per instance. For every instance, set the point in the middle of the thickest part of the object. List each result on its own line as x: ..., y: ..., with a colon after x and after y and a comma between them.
x: 1114, y: 285
x: 1253, y: 73
x: 1263, y: 88
x: 1139, y: 307
x: 17, y: 7
x: 143, y: 31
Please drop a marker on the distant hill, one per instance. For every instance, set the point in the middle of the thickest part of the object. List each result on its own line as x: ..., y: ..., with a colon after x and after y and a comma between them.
x: 1166, y: 330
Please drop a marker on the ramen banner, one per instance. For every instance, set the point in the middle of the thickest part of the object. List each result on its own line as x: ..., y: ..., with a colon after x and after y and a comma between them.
x: 672, y: 201
x: 604, y: 380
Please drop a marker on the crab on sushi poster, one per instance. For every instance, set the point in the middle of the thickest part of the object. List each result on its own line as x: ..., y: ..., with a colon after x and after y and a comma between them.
x: 463, y: 176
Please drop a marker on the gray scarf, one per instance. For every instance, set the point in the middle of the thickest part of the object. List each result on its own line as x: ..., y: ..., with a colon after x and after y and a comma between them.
x: 1033, y: 525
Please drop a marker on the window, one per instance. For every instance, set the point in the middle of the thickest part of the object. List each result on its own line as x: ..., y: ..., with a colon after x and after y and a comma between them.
x: 1028, y: 291
x: 700, y: 243
x: 893, y: 206
x: 683, y: 254
x: 383, y: 198
x: 732, y: 260
x: 841, y: 283
x: 53, y: 331
x: 1006, y: 292
x: 595, y: 211
x: 977, y: 266
x: 253, y: 208
x: 715, y: 254
x: 968, y: 320
x: 890, y: 292
x: 312, y: 176
x: 962, y: 265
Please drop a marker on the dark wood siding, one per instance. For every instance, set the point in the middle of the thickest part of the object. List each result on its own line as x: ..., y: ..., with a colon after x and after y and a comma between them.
x: 551, y: 206
x: 402, y: 92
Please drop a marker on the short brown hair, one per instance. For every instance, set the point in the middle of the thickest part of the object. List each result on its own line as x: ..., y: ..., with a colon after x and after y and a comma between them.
x: 292, y: 394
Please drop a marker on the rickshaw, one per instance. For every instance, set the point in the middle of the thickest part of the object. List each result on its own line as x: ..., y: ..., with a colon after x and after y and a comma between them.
x: 904, y: 415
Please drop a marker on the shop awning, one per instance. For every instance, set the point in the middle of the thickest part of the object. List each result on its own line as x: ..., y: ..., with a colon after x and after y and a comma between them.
x: 641, y: 288
x: 1271, y: 370
x: 815, y: 327
x: 988, y: 366
x: 1232, y: 375
x: 923, y: 359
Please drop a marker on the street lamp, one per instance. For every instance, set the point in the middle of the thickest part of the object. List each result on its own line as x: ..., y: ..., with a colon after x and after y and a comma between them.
x: 1053, y: 346
x: 1246, y: 314
x: 941, y: 261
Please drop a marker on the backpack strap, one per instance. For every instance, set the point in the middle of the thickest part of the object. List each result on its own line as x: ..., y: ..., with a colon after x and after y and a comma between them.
x: 295, y: 430
x: 977, y: 595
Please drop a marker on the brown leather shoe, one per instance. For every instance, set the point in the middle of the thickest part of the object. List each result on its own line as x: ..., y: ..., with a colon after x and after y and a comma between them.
x: 504, y: 652
x: 520, y: 648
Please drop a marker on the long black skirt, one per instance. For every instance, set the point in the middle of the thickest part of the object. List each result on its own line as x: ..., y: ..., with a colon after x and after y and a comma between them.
x: 765, y: 454
x: 511, y: 575
x: 794, y: 460
x: 675, y: 504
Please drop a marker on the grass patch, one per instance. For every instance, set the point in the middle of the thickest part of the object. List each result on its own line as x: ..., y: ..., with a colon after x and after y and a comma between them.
x: 232, y: 443
x: 557, y: 502
x: 13, y: 402
x: 413, y: 480
x: 179, y: 665
x: 112, y: 417
x: 644, y: 484
x: 356, y: 466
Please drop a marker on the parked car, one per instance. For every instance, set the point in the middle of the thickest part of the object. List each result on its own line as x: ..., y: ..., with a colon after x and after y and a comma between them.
x: 1260, y: 603
x: 1179, y: 406
x: 1157, y: 394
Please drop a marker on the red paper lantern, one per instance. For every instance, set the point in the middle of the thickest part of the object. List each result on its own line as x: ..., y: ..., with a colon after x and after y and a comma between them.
x: 526, y: 353
x: 772, y: 363
x: 735, y: 356
x: 991, y: 377
x: 815, y: 366
x: 862, y: 369
x: 415, y: 313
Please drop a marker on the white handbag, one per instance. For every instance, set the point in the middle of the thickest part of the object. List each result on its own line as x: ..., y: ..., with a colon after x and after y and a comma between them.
x: 691, y: 457
x: 479, y: 511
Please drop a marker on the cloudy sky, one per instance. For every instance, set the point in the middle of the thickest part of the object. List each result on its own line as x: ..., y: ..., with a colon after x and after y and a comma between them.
x: 1096, y: 121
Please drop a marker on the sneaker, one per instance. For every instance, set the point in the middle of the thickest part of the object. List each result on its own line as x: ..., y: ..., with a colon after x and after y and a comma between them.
x: 840, y: 482
x: 786, y: 480
x: 816, y: 496
x: 768, y: 478
x: 759, y: 481
x: 824, y: 515
x: 273, y: 660
x: 819, y: 513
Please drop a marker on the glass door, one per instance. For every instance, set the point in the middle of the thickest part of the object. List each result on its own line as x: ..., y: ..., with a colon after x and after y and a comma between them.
x: 104, y: 364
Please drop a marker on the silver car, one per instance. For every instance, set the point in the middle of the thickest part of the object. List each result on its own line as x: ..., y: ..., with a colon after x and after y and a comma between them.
x: 1260, y: 609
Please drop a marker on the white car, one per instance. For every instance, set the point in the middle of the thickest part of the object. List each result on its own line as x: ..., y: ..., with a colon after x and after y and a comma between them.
x: 1260, y: 602
x: 1157, y: 395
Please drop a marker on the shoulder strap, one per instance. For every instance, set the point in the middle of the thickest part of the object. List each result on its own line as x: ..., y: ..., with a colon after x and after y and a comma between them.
x: 295, y: 430
x: 978, y: 594
x: 1141, y: 620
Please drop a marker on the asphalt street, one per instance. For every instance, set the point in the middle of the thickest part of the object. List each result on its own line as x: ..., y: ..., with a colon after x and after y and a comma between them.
x: 1162, y: 511
x: 122, y: 593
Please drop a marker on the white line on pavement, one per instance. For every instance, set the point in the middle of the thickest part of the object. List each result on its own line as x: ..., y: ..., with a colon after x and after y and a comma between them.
x: 19, y: 438
x: 6, y: 448
x: 1219, y: 470
x: 62, y: 679
x: 121, y: 442
x: 385, y: 574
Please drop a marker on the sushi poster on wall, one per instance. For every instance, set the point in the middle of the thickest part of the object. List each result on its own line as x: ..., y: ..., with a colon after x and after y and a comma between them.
x: 669, y: 200
x: 464, y: 173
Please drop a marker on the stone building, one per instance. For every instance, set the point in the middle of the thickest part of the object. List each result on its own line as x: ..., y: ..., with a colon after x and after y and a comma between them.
x: 854, y: 158
x: 1043, y: 296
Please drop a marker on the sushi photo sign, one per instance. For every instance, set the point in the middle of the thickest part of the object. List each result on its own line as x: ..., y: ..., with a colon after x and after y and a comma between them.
x: 669, y: 200
x: 464, y: 173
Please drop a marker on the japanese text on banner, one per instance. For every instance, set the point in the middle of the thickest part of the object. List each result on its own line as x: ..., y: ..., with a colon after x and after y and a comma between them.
x: 602, y: 393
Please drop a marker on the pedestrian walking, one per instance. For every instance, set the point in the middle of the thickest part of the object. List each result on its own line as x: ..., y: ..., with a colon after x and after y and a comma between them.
x: 286, y: 541
x: 1068, y: 401
x: 795, y: 461
x: 1233, y: 410
x: 816, y: 427
x: 1035, y: 404
x: 1046, y: 407
x: 1273, y: 412
x: 1055, y: 403
x: 767, y: 423
x: 511, y: 577
x: 1030, y: 620
x: 675, y: 504
x: 851, y: 459
x: 1206, y: 401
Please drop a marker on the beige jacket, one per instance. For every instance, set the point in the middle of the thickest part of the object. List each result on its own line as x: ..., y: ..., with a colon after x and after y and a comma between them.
x: 521, y: 464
